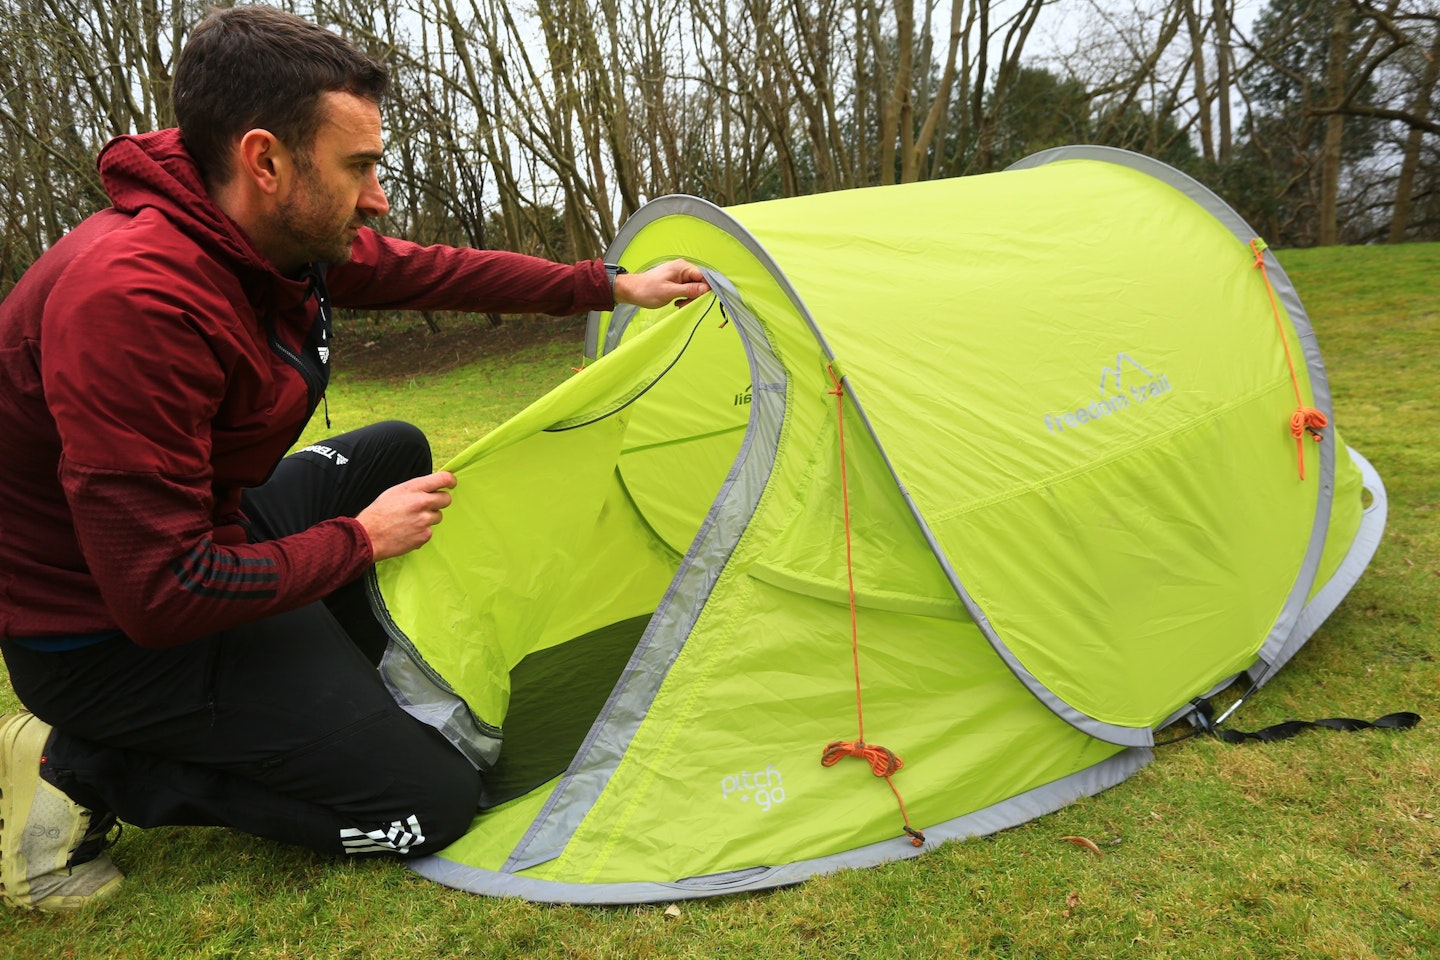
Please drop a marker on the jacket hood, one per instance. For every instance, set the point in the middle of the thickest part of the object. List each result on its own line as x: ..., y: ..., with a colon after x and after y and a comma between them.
x: 154, y: 170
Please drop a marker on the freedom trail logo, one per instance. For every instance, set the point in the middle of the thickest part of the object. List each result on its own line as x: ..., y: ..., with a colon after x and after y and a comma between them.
x: 1123, y: 386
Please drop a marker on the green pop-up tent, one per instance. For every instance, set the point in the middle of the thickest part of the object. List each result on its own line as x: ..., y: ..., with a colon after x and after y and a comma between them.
x: 919, y: 526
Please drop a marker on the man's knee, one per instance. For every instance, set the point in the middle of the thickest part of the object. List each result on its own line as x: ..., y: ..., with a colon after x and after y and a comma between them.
x: 429, y: 802
x: 402, y: 444
x: 453, y: 801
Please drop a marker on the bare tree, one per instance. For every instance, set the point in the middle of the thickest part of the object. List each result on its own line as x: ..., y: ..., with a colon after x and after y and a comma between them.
x: 75, y: 74
x: 1223, y: 65
x: 1422, y: 114
x: 542, y: 128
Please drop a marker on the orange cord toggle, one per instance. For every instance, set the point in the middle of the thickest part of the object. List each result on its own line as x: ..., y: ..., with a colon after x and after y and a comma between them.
x: 1258, y: 247
x: 1308, y: 420
x: 883, y: 762
x: 1305, y: 419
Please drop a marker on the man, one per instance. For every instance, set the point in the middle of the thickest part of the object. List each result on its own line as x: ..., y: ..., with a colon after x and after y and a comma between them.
x: 181, y: 609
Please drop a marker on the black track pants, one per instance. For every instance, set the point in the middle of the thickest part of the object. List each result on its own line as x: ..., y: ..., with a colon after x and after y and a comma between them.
x: 281, y: 728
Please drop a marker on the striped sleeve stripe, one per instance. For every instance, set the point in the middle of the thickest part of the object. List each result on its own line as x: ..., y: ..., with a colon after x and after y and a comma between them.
x: 208, y: 571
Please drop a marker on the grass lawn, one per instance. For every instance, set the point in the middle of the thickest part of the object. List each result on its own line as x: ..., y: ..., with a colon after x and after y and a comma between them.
x: 1322, y: 846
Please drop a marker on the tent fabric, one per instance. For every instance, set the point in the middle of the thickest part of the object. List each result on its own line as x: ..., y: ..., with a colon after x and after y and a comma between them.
x: 1074, y: 506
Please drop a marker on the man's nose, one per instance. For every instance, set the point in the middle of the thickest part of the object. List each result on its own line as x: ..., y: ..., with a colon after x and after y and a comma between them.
x: 372, y: 201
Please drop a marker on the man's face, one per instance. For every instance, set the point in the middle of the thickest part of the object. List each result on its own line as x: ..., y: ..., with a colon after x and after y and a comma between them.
x: 335, y: 188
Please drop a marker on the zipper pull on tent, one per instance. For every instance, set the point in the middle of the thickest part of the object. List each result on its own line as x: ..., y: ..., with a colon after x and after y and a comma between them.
x: 1305, y: 419
x: 883, y: 762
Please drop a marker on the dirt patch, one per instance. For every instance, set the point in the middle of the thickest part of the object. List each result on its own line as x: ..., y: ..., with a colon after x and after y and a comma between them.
x: 366, y: 352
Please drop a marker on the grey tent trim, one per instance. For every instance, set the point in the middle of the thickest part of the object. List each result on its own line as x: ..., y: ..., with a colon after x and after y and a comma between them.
x: 658, y: 209
x: 1003, y: 815
x: 619, y: 320
x: 427, y: 697
x: 1328, y: 597
x: 1287, y: 622
x: 684, y: 601
x: 706, y: 212
x: 1149, y: 166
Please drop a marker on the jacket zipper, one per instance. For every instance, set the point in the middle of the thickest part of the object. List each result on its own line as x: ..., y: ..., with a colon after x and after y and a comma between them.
x: 313, y: 386
x: 315, y: 380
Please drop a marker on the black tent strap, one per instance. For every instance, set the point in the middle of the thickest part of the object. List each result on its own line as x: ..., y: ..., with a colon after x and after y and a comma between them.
x: 1203, y: 720
x: 1403, y: 720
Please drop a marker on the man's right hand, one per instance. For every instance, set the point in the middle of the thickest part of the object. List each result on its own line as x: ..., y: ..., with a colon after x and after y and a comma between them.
x: 400, y: 518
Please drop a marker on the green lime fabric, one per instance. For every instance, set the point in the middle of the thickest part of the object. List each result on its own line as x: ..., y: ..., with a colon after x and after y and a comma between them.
x: 1063, y: 369
x: 1036, y: 423
x: 549, y: 545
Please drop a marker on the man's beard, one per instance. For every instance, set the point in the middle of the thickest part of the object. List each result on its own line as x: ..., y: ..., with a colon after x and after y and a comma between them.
x: 316, y: 234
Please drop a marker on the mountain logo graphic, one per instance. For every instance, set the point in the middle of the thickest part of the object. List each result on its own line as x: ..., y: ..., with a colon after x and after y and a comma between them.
x: 1125, y: 386
x: 1113, y: 375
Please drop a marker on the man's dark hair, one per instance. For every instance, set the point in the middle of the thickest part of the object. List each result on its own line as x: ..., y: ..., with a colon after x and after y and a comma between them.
x: 255, y: 66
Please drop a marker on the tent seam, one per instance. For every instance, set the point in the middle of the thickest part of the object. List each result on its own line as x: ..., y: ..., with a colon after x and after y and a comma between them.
x: 1128, y: 450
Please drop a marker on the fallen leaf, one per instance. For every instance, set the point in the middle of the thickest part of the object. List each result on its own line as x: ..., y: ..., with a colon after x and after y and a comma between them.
x: 672, y: 911
x: 1085, y: 842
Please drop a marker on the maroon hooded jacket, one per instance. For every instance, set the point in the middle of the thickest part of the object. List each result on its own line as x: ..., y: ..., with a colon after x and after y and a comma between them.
x: 144, y: 384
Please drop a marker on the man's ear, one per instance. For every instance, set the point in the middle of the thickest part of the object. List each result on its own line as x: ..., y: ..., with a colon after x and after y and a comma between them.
x: 264, y: 161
